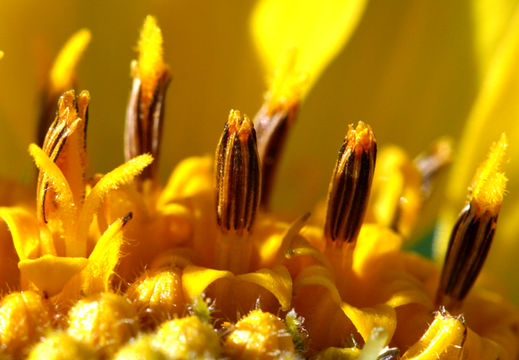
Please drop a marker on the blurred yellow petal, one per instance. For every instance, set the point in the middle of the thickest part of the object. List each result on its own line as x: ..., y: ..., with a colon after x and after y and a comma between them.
x: 406, y: 291
x: 317, y: 275
x: 196, y: 279
x: 374, y: 242
x: 301, y: 248
x: 276, y: 280
x: 62, y: 74
x: 9, y: 273
x: 315, y: 33
x: 478, y: 347
x: 50, y: 273
x: 25, y: 231
x: 188, y: 178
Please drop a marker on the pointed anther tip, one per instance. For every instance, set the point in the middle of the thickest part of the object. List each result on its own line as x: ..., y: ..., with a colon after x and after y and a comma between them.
x: 241, y: 125
x: 127, y: 218
x: 361, y: 135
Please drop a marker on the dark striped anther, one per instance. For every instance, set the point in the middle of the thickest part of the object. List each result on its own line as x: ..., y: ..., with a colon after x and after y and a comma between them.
x: 474, y: 230
x: 146, y: 106
x: 237, y: 175
x: 65, y: 145
x: 350, y: 185
x: 144, y: 123
x: 468, y: 248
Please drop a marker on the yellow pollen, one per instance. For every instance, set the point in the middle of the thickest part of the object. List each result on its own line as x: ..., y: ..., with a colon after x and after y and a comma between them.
x: 62, y: 72
x: 362, y: 135
x: 150, y: 65
x: 1, y: 54
x: 489, y: 184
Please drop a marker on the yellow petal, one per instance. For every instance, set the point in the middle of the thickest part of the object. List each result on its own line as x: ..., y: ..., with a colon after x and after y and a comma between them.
x: 478, y: 347
x: 315, y: 32
x: 406, y: 290
x: 196, y: 279
x: 366, y: 319
x: 25, y: 231
x: 396, y: 195
x: 373, y: 243
x: 50, y: 273
x: 103, y: 259
x: 191, y: 176
x: 276, y: 280
x: 9, y: 273
x: 300, y: 247
x: 443, y: 340
x: 62, y: 73
x: 317, y: 275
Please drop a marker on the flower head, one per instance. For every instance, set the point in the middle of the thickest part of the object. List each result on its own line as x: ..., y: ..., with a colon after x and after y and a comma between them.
x: 117, y: 265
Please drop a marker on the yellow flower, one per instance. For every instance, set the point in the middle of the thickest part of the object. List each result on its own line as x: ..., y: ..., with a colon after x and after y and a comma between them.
x: 113, y: 256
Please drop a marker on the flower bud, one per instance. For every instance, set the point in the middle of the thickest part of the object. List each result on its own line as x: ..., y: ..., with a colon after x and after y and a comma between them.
x: 61, y: 346
x: 158, y: 297
x: 140, y: 348
x: 24, y: 317
x: 259, y: 335
x: 188, y: 338
x: 105, y: 321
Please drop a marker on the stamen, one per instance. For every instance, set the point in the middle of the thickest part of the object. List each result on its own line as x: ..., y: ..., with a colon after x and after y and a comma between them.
x: 65, y: 145
x: 350, y: 185
x: 62, y: 78
x: 237, y: 175
x: 274, y: 120
x: 473, y: 232
x: 145, y: 112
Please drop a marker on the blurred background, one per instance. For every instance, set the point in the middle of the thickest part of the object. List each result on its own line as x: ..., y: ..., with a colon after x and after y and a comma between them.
x: 411, y: 69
